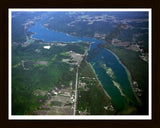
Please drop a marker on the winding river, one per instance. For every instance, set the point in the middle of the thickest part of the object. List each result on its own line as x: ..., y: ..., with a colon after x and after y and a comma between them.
x: 110, y: 72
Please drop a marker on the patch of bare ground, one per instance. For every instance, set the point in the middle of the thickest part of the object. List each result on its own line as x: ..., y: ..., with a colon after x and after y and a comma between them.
x: 60, y: 44
x: 74, y: 59
x: 66, y: 110
x: 37, y: 50
x: 144, y: 57
x: 127, y: 45
x: 134, y: 48
x: 42, y: 62
x: 59, y: 102
x: 109, y: 107
x: 83, y: 112
x: 28, y: 64
x: 40, y: 92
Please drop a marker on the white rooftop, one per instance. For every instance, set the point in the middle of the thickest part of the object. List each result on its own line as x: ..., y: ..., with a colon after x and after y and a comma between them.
x: 47, y: 47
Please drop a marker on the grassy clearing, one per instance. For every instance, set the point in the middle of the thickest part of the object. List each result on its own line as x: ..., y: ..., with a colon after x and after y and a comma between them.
x: 54, y: 57
x: 64, y: 54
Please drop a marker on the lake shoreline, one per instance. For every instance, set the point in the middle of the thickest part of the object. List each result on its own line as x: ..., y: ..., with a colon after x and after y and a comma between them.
x: 100, y: 82
x: 128, y: 74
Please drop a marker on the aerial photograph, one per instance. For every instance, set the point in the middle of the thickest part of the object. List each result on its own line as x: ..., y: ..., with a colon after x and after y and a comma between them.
x: 79, y: 62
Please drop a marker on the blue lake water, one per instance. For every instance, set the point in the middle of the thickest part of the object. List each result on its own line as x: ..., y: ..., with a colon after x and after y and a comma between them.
x: 120, y: 102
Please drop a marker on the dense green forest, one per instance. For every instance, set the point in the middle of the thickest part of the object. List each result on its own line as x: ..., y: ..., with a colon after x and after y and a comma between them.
x: 29, y: 75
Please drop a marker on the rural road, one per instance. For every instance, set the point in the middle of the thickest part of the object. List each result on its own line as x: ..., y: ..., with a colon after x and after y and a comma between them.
x: 75, y: 104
